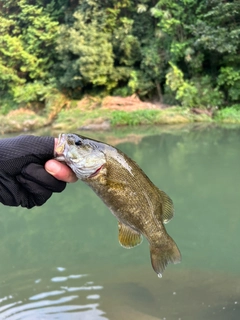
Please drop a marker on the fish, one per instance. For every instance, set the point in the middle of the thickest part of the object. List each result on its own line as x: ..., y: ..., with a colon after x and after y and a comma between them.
x: 141, y: 208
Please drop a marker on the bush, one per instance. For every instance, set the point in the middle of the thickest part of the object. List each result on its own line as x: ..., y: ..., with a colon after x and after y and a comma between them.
x: 196, y: 93
x: 230, y: 115
x: 33, y: 91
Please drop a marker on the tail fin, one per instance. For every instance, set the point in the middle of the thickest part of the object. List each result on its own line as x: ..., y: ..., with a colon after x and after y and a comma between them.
x: 164, y: 253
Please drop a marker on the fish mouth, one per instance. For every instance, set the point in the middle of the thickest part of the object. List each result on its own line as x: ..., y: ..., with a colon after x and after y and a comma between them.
x: 94, y: 174
x: 60, y: 147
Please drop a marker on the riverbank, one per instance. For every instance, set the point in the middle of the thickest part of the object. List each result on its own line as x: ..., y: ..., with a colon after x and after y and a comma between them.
x: 97, y: 114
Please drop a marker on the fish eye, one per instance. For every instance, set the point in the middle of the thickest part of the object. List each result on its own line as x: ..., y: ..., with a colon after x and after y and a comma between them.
x: 78, y: 142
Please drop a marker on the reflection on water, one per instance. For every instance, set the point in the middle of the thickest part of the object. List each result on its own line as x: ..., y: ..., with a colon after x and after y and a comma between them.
x: 55, y: 300
x: 63, y: 260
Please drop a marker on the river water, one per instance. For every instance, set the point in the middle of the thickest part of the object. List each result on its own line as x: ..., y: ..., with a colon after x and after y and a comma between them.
x: 63, y: 261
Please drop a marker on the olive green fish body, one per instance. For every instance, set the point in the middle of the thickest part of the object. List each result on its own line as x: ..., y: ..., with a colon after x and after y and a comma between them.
x: 139, y: 206
x: 125, y: 192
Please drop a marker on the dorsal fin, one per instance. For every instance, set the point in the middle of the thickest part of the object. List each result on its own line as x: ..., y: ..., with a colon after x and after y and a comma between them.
x: 127, y: 237
x: 167, y: 207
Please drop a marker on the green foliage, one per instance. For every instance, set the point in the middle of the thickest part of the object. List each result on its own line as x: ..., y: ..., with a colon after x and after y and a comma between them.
x: 172, y: 20
x: 230, y: 78
x: 134, y: 118
x: 207, y: 95
x: 228, y: 115
x: 185, y: 92
x: 120, y: 47
x: 217, y: 28
x: 236, y: 106
x: 93, y: 62
x: 27, y: 41
x: 195, y: 93
x: 6, y: 104
x: 32, y: 91
x: 140, y: 83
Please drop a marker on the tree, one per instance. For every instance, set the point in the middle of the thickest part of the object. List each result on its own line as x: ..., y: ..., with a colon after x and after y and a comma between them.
x: 28, y: 35
x: 120, y: 48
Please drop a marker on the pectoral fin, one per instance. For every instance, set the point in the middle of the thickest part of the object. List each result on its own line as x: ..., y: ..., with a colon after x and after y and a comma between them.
x: 127, y: 237
x: 167, y: 207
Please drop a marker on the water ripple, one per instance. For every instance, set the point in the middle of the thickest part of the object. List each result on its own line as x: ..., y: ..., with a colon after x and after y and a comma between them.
x: 57, y: 303
x: 46, y: 294
x: 71, y: 276
x: 66, y: 312
x: 49, y: 309
x: 83, y: 288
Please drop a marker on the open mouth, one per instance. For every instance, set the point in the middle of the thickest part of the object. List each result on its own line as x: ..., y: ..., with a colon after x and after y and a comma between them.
x: 96, y: 172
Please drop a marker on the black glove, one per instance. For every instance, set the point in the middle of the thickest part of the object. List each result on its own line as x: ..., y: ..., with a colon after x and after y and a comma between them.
x: 23, y: 179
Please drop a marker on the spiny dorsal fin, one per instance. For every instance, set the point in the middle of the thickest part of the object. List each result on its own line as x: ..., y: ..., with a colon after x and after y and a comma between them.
x: 127, y: 237
x: 167, y: 207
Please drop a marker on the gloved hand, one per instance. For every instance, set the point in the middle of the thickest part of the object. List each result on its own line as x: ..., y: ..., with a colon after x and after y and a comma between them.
x: 23, y: 179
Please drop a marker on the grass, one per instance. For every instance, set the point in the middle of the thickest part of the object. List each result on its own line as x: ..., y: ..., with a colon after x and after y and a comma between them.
x: 69, y: 119
x: 228, y: 115
x: 118, y: 118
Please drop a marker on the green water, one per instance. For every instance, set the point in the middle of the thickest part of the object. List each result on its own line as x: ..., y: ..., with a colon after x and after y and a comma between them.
x: 63, y: 261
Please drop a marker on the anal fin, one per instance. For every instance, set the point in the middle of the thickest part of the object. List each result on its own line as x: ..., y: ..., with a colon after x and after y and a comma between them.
x: 127, y: 237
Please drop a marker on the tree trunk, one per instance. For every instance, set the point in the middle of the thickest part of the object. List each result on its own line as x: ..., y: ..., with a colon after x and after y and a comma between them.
x: 159, y: 91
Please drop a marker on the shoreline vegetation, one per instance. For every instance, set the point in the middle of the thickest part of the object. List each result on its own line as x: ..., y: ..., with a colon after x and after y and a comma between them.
x: 86, y: 64
x: 96, y: 114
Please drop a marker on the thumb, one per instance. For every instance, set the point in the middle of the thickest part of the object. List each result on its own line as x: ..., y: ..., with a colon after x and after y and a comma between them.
x: 60, y: 171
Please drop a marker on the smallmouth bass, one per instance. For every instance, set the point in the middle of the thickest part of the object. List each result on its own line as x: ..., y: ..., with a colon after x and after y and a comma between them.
x: 139, y: 206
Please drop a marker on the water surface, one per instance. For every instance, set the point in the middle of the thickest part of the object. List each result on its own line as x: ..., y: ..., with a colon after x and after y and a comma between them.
x: 63, y: 261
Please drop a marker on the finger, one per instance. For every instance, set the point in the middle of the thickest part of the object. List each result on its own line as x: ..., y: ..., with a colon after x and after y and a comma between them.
x: 36, y: 173
x: 60, y: 171
x: 37, y: 195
